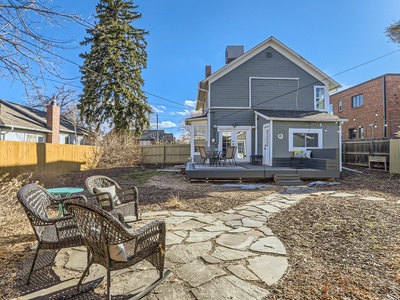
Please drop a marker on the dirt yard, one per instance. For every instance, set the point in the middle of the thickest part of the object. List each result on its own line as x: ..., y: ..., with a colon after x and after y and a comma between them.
x: 338, y: 248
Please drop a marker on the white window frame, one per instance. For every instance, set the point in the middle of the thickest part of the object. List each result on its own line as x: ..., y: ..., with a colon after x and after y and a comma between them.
x: 292, y: 131
x: 326, y: 99
x: 340, y: 104
x: 193, y: 125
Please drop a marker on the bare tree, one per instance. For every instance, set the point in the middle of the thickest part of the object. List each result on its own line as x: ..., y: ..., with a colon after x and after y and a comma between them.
x: 26, y: 52
x: 187, y: 129
x: 66, y: 98
x: 393, y: 32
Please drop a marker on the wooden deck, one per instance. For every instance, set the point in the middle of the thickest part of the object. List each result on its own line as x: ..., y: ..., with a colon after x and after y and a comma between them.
x: 249, y: 172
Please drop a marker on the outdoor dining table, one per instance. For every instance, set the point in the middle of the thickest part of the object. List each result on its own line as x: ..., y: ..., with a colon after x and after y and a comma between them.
x: 61, y: 193
x: 215, y: 159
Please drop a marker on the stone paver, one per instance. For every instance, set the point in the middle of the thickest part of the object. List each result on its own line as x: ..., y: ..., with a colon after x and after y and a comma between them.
x: 269, y: 244
x: 229, y: 287
x: 342, y: 195
x: 187, y: 253
x: 268, y: 268
x: 197, y: 273
x: 235, y: 241
x: 211, y: 256
x: 370, y: 198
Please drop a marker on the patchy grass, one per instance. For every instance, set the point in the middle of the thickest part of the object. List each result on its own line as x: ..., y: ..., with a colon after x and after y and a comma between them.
x: 139, y: 177
x: 174, y: 202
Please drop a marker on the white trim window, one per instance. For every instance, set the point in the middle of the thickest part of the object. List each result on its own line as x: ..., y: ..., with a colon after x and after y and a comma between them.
x: 198, y: 135
x: 304, y: 138
x: 320, y: 98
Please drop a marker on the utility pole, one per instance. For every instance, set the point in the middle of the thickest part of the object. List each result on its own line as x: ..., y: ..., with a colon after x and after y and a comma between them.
x: 157, y: 130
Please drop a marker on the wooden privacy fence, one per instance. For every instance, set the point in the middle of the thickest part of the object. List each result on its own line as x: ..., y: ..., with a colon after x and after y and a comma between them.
x: 56, y: 159
x: 165, y: 154
x: 356, y: 152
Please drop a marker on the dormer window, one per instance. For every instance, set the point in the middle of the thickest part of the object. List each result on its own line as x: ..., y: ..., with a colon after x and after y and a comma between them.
x: 319, y: 98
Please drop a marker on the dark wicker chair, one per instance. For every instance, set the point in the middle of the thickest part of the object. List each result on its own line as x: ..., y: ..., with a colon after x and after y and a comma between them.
x: 51, y: 233
x: 100, y: 230
x: 128, y: 198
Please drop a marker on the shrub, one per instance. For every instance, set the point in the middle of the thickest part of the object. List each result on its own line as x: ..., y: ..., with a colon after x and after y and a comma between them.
x: 115, y: 150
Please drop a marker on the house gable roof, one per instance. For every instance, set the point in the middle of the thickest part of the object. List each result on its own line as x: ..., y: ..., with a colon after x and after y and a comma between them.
x: 278, y: 46
x: 23, y: 117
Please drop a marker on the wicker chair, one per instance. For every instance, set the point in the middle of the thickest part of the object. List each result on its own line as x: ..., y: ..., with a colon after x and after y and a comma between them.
x: 51, y: 233
x: 100, y: 230
x: 128, y: 198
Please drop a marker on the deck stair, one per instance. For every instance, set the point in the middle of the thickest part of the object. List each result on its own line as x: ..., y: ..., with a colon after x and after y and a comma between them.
x: 288, y: 179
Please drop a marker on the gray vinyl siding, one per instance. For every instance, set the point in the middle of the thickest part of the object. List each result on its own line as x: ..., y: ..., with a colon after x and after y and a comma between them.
x: 229, y: 117
x: 232, y: 89
x: 281, y: 147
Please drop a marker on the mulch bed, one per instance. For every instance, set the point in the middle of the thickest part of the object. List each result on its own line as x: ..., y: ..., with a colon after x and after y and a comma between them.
x: 338, y: 248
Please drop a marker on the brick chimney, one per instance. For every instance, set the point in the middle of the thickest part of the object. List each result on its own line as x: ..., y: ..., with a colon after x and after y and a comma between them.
x: 53, y: 123
x: 208, y: 71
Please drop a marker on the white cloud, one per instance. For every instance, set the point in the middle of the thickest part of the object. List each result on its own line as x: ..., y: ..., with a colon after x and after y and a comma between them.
x: 163, y: 125
x: 186, y: 112
x: 158, y: 109
x: 190, y: 103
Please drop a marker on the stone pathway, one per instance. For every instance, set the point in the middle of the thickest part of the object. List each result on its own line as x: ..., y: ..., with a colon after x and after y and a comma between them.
x: 226, y: 255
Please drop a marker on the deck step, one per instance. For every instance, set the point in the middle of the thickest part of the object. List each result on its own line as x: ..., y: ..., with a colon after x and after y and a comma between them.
x: 288, y: 179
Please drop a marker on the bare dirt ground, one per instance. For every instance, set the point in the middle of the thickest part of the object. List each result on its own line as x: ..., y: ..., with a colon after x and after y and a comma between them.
x: 338, y: 248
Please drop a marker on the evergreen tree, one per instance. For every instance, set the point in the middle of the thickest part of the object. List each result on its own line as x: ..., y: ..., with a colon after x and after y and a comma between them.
x: 111, y: 73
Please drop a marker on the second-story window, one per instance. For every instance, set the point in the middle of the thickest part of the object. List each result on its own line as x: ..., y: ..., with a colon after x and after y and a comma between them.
x: 319, y: 97
x: 357, y: 101
x: 340, y: 105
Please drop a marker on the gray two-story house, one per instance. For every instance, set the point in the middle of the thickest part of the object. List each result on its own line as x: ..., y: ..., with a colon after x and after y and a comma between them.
x: 269, y: 102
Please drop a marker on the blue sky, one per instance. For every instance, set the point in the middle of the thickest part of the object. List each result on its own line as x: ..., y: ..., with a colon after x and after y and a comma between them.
x: 343, y: 38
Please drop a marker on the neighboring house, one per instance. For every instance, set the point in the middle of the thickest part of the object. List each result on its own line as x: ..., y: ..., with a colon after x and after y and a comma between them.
x: 268, y: 101
x: 25, y: 124
x: 153, y: 137
x: 372, y: 108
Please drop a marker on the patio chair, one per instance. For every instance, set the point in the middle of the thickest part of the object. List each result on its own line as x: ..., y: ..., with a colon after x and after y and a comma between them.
x: 229, y: 155
x: 51, y: 233
x: 111, y: 197
x: 205, y: 155
x: 111, y: 245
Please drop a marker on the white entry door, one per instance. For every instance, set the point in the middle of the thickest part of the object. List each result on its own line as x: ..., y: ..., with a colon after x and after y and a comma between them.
x: 239, y: 137
x: 266, y: 145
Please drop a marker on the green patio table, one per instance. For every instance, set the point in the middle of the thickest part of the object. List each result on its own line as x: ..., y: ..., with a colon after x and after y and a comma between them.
x: 63, y: 192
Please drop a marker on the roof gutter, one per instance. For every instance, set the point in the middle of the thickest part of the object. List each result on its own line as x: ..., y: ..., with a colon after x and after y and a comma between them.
x: 25, y: 128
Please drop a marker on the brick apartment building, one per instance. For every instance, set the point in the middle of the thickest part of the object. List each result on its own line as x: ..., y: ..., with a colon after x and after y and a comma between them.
x: 372, y: 108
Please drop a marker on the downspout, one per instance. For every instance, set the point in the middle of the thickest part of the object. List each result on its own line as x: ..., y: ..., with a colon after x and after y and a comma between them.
x: 340, y: 146
x: 5, y: 132
x: 384, y: 105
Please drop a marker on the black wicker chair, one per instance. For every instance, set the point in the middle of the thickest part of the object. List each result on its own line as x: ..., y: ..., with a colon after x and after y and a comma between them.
x: 101, y: 230
x: 111, y: 197
x: 51, y: 233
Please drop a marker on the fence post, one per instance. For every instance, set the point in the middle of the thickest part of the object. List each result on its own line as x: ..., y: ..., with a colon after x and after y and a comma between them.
x: 164, y: 155
x: 343, y: 152
x: 371, y: 150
